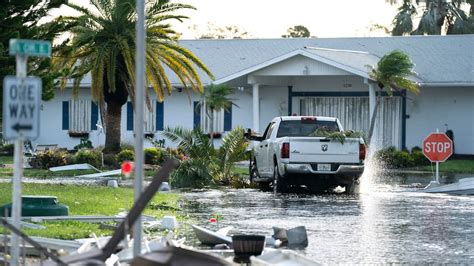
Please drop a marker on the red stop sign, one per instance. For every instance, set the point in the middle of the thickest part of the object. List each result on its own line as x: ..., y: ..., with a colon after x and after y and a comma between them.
x: 437, y: 147
x: 127, y: 167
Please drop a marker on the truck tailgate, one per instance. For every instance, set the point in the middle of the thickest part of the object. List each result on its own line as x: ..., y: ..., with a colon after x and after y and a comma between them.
x: 322, y: 150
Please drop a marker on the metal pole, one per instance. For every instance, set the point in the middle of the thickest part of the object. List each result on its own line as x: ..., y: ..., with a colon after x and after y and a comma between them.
x: 437, y: 166
x: 21, y: 61
x: 139, y: 121
x: 437, y: 172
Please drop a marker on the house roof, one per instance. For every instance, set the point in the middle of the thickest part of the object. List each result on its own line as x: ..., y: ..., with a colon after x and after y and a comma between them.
x: 439, y: 60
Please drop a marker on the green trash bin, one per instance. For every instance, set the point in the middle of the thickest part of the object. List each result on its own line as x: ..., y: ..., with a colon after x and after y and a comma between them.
x: 38, y: 206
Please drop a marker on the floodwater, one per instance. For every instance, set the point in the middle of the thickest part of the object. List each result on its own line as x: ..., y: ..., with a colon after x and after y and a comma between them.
x: 388, y: 222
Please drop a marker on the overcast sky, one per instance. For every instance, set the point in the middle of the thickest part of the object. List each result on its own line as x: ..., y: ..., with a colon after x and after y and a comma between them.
x: 271, y: 18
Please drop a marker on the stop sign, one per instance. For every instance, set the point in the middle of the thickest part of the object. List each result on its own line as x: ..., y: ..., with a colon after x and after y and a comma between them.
x: 437, y: 147
x: 127, y: 167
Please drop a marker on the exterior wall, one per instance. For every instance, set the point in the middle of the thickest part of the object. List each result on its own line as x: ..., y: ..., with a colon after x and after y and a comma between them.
x: 434, y: 108
x: 178, y: 111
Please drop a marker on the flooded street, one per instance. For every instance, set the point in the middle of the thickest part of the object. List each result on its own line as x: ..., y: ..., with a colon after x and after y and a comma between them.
x: 387, y: 223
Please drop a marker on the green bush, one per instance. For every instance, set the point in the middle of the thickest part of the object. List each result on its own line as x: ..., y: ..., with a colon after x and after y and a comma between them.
x: 84, y: 144
x: 419, y: 158
x: 92, y: 157
x: 153, y: 156
x: 392, y: 158
x: 193, y: 173
x: 127, y: 146
x: 125, y: 155
x: 402, y: 159
x: 7, y: 149
x: 47, y: 159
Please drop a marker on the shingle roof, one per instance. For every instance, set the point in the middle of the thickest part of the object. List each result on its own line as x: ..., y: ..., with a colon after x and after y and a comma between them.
x: 438, y: 59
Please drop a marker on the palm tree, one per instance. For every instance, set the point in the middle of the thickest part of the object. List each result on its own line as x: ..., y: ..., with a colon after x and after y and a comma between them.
x: 391, y: 74
x: 216, y: 99
x: 439, y: 16
x: 103, y: 44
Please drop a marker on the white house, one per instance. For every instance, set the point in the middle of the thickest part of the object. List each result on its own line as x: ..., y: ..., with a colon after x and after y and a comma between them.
x: 313, y: 76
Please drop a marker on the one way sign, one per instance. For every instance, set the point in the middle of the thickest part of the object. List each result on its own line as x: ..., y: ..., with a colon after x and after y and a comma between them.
x: 21, y: 107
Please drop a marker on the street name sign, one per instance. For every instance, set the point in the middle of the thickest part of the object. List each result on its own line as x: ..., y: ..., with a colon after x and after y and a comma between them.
x: 37, y: 48
x: 21, y: 107
x: 437, y: 147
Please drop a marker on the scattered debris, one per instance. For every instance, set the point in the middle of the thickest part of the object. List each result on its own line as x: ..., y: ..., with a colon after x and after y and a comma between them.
x: 103, y: 174
x: 282, y: 257
x: 208, y: 237
x: 178, y: 256
x: 464, y: 186
x: 295, y: 238
x: 164, y: 187
x: 112, y: 183
x: 82, y: 166
x: 88, y: 219
x: 169, y: 222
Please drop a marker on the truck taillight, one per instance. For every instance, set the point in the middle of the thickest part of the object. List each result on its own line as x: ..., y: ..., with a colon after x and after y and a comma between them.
x: 362, y: 151
x: 285, y: 150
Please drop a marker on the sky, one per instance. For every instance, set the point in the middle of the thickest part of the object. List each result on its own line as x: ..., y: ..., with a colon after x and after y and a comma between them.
x: 271, y: 18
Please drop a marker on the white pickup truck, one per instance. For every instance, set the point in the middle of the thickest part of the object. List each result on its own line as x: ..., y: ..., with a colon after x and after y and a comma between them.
x: 289, y: 154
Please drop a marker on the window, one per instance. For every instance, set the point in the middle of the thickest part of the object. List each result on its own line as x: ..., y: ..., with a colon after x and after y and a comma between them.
x: 222, y: 120
x: 79, y: 115
x: 153, y: 120
x: 301, y: 128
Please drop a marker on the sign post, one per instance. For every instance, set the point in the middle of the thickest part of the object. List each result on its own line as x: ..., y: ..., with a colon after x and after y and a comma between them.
x: 437, y: 147
x: 21, y: 119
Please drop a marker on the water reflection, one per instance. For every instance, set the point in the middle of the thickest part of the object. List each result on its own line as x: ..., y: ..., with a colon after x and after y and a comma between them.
x: 386, y: 223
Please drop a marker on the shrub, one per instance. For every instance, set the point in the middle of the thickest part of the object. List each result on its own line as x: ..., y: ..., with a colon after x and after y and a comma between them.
x: 51, y: 158
x: 92, y: 157
x: 153, y: 156
x: 127, y: 146
x: 7, y: 149
x: 419, y: 158
x: 402, y: 159
x: 84, y: 144
x: 125, y: 155
x: 193, y: 173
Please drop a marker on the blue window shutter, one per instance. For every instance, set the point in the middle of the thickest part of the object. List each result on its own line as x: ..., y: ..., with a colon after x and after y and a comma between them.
x: 228, y: 119
x: 94, y: 116
x: 129, y: 116
x: 65, y: 115
x: 159, y: 116
x: 197, y: 115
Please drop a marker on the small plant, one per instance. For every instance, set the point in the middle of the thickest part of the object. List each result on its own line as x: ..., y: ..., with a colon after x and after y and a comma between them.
x: 153, y: 156
x: 51, y: 158
x: 127, y: 146
x: 7, y: 149
x: 216, y: 217
x: 85, y: 143
x: 125, y: 155
x: 92, y: 157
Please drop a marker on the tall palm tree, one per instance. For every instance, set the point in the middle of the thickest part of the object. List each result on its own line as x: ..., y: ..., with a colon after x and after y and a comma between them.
x: 216, y: 99
x: 103, y: 44
x: 439, y: 16
x: 391, y: 74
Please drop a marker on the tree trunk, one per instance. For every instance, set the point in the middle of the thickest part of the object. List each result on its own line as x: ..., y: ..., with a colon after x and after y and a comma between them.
x: 113, y: 122
x: 372, y: 120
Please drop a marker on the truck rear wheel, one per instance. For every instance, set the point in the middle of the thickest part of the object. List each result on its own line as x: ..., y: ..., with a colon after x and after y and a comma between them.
x: 279, y: 182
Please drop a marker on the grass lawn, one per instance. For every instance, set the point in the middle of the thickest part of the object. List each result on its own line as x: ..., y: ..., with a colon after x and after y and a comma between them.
x: 6, y: 159
x: 89, y: 200
x: 453, y: 166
